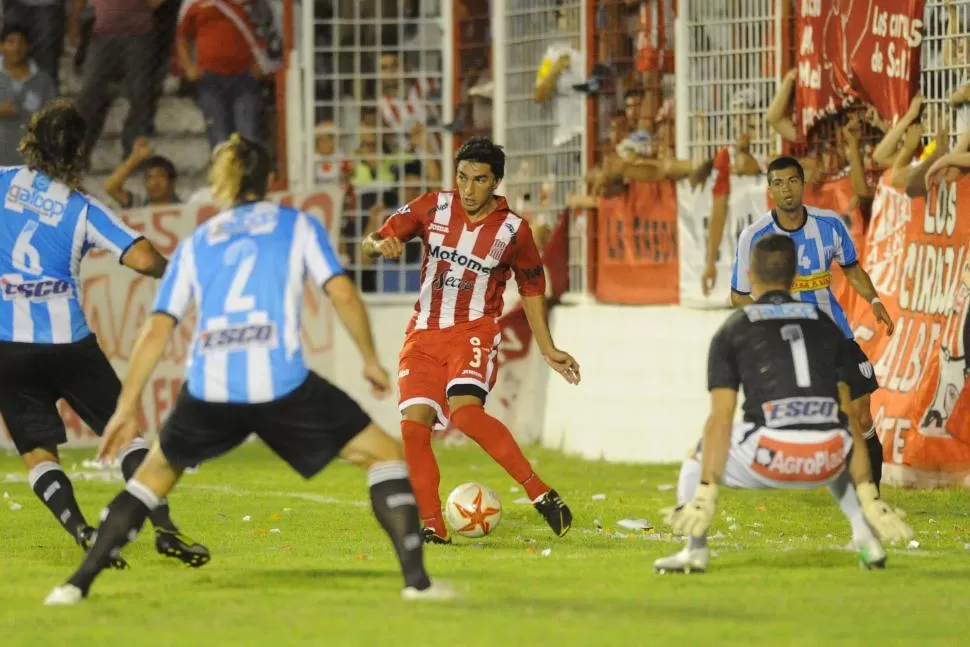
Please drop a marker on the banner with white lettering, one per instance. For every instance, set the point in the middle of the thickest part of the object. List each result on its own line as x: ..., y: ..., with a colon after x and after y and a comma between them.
x: 117, y: 301
x: 747, y: 201
x: 866, y: 50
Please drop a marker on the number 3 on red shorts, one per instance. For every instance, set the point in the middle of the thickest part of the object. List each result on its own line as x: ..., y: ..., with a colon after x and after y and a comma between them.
x: 477, y: 349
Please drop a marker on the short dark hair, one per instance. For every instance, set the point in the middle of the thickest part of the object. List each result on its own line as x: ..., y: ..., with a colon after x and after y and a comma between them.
x: 54, y: 142
x: 10, y: 29
x: 163, y: 163
x: 774, y: 260
x: 783, y: 162
x: 483, y: 151
x: 632, y: 93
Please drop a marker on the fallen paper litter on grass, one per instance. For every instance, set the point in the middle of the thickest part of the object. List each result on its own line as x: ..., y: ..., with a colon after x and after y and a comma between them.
x: 913, y: 545
x: 247, y: 518
x: 523, y: 500
x: 274, y: 530
x: 15, y: 506
x: 546, y: 552
x: 634, y: 524
x: 514, y: 489
x: 665, y: 487
x: 599, y: 497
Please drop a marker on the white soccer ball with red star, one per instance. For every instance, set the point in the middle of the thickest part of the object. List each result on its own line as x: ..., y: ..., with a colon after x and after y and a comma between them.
x: 473, y: 510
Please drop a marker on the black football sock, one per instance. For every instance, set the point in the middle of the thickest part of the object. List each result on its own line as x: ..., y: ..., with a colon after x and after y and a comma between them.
x: 394, y: 506
x: 54, y: 489
x: 131, y: 457
x: 122, y: 520
x: 874, y: 449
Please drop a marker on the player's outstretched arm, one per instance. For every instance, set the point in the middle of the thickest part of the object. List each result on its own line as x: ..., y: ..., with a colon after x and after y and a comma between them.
x: 352, y: 313
x: 375, y: 245
x: 562, y: 362
x: 145, y: 259
x: 122, y: 428
x: 862, y: 284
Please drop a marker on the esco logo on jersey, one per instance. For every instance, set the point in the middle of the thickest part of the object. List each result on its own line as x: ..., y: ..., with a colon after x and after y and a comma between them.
x: 237, y: 338
x: 800, y: 411
x: 39, y: 291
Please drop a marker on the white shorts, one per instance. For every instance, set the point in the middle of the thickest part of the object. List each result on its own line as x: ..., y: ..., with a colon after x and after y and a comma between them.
x: 760, y: 457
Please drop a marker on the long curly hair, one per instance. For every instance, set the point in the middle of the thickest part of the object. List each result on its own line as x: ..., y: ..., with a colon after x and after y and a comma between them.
x: 240, y: 171
x: 54, y: 143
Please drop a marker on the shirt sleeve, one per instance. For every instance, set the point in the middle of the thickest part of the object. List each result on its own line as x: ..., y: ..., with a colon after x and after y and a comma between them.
x: 722, y: 367
x: 845, y: 251
x: 722, y: 170
x: 319, y: 259
x: 530, y: 275
x: 407, y: 222
x: 104, y: 230
x: 742, y: 258
x: 175, y: 291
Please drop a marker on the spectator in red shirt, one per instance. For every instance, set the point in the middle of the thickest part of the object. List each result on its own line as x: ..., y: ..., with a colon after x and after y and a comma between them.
x: 228, y: 65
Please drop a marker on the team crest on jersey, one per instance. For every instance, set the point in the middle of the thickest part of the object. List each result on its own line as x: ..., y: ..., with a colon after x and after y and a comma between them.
x: 866, y: 369
x: 497, y: 250
x: 238, y: 338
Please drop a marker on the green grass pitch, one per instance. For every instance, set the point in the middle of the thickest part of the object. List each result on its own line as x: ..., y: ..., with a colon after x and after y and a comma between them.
x: 311, y: 567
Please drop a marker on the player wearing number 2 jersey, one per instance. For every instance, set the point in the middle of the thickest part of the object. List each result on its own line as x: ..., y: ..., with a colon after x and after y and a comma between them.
x: 473, y: 243
x: 245, y: 270
x: 789, y: 358
x: 821, y: 239
x: 47, y: 351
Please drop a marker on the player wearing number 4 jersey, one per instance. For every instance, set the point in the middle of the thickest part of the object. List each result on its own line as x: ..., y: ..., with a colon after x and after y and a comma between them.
x: 790, y: 359
x: 245, y: 270
x: 473, y: 244
x: 47, y: 351
x: 821, y: 238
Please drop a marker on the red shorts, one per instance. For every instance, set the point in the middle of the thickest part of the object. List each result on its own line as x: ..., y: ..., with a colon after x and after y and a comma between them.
x: 434, y: 362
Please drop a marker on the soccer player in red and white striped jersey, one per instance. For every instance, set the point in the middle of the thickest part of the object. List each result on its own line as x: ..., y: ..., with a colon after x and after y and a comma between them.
x: 473, y: 243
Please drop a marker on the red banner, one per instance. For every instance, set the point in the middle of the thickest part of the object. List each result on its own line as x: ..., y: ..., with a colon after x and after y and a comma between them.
x: 916, y: 254
x: 637, y: 246
x: 849, y: 50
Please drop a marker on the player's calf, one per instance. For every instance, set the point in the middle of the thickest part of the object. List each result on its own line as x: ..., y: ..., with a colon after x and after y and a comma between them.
x: 53, y: 487
x: 169, y: 540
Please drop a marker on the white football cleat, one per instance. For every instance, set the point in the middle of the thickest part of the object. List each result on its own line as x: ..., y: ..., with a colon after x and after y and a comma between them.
x: 64, y: 596
x: 688, y: 560
x: 871, y: 553
x: 437, y: 591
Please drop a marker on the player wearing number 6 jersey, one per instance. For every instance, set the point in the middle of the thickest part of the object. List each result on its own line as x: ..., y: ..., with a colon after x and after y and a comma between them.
x: 473, y: 243
x: 790, y: 360
x: 821, y: 239
x: 245, y: 270
x: 47, y: 351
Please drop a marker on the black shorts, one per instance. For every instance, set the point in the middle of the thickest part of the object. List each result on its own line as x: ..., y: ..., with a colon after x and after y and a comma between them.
x: 33, y: 377
x: 861, y: 380
x: 307, y: 428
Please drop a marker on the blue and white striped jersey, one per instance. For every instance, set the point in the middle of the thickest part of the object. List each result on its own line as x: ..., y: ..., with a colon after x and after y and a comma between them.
x: 245, y: 269
x: 45, y: 230
x: 823, y: 238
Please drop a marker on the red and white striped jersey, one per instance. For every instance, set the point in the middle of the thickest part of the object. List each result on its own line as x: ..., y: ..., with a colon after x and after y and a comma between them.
x: 466, y: 264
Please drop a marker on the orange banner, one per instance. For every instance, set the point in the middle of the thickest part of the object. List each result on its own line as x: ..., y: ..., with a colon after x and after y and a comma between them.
x: 837, y: 196
x: 637, y: 246
x: 916, y: 254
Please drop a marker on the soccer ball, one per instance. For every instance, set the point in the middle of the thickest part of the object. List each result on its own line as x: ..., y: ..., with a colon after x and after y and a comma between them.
x: 473, y: 510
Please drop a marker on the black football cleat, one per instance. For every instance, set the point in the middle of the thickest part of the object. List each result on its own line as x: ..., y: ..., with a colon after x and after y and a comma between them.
x: 431, y: 537
x: 178, y: 546
x: 556, y: 513
x: 86, y: 538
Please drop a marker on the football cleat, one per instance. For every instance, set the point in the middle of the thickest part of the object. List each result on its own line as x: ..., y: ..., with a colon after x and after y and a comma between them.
x: 688, y: 560
x: 64, y: 596
x: 556, y: 513
x: 437, y: 591
x: 178, y: 546
x: 871, y: 554
x: 431, y: 537
x: 86, y: 538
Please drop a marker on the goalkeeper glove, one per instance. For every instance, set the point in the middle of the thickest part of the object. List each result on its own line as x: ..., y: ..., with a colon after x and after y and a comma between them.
x: 884, y: 519
x: 694, y: 517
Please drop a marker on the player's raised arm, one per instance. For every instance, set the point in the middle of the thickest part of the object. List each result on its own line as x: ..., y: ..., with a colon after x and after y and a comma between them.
x: 403, y: 225
x: 530, y: 276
